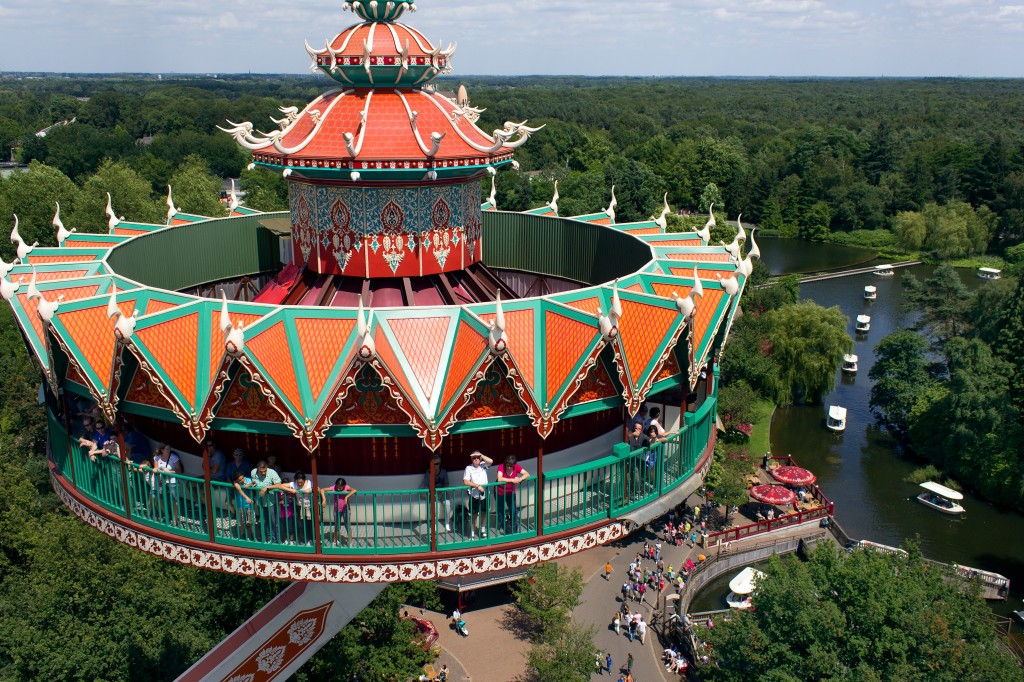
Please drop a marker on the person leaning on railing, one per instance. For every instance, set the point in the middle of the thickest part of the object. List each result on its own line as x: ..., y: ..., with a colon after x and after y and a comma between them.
x: 340, y: 492
x: 476, y: 479
x: 510, y: 475
x: 264, y: 479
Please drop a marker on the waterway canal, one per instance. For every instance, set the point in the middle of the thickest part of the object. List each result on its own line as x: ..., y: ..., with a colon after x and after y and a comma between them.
x: 862, y: 470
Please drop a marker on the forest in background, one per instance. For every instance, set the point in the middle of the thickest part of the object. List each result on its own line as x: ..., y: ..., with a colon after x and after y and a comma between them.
x: 933, y: 166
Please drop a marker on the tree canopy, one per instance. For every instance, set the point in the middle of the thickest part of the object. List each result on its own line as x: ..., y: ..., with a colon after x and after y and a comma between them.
x: 860, y: 616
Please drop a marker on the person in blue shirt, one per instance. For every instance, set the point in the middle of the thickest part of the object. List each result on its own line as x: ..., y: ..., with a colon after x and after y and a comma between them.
x: 243, y: 506
x: 139, y: 448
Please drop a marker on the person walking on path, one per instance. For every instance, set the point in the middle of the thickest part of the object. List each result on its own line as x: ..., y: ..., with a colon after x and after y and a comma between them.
x: 629, y: 664
x: 607, y: 570
x: 608, y: 661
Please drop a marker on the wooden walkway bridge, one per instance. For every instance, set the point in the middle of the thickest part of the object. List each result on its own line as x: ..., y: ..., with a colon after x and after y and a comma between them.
x: 855, y: 271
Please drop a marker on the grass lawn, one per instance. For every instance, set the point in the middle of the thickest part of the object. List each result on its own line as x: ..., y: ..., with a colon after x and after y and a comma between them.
x: 759, y: 437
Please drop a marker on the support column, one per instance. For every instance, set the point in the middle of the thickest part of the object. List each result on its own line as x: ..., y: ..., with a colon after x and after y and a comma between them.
x: 71, y: 456
x: 315, y: 502
x: 210, y: 520
x: 122, y: 459
x: 284, y: 634
x: 432, y: 501
x: 540, y: 489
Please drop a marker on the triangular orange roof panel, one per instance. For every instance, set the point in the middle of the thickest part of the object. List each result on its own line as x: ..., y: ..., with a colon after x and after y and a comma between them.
x: 390, y: 362
x: 71, y: 294
x: 705, y: 313
x: 59, y: 274
x: 174, y: 345
x: 642, y: 328
x: 567, y: 341
x: 702, y: 257
x: 666, y: 290
x: 469, y: 347
x: 270, y: 348
x: 422, y: 341
x: 158, y: 306
x: 519, y: 329
x: 322, y: 342
x: 92, y: 332
x: 587, y: 305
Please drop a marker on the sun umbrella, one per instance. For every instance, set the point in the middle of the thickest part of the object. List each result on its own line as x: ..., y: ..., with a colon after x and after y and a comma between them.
x: 793, y: 476
x: 772, y: 494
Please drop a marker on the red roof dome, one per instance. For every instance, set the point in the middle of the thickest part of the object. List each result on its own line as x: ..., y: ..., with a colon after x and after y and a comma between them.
x: 398, y: 129
x: 381, y: 53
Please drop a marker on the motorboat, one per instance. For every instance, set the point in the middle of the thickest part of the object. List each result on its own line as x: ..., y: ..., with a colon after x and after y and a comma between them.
x: 836, y: 419
x: 940, y: 498
x: 884, y: 270
x: 870, y: 293
x: 869, y: 546
x: 863, y: 324
x: 850, y: 364
x: 990, y: 273
x: 741, y: 587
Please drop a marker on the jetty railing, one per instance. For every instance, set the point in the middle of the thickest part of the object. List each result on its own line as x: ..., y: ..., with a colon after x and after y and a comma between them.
x: 383, y: 522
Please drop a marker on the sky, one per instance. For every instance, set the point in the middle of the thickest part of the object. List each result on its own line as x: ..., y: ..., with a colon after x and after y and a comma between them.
x: 976, y: 38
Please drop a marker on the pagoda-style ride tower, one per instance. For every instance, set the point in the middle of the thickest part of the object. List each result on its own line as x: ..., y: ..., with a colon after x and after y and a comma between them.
x: 390, y: 316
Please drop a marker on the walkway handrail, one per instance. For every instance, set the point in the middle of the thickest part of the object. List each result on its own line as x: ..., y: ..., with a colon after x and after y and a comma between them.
x: 386, y: 521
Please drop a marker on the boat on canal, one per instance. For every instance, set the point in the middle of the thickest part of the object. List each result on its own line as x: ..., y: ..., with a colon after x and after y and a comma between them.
x: 836, y: 418
x: 850, y: 364
x: 990, y: 273
x: 870, y: 293
x: 884, y: 270
x: 941, y: 499
x: 863, y: 324
x: 741, y: 587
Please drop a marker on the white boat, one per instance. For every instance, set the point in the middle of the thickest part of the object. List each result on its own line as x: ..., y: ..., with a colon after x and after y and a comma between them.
x: 990, y: 273
x: 850, y: 364
x: 870, y: 293
x: 742, y: 586
x: 863, y: 324
x: 867, y: 545
x: 836, y: 419
x: 884, y: 270
x: 940, y: 498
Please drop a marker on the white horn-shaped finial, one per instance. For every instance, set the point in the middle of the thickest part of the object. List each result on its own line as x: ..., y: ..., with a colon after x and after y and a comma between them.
x: 47, y: 309
x: 609, y: 330
x: 663, y: 218
x: 23, y: 248
x: 171, y: 209
x: 5, y: 267
x: 698, y: 287
x: 705, y: 234
x: 745, y: 267
x: 124, y: 328
x: 686, y: 305
x: 730, y: 284
x: 498, y: 339
x: 741, y: 234
x: 33, y: 292
x: 493, y: 198
x: 554, y: 200
x: 225, y: 318
x: 112, y: 309
x: 367, y: 348
x: 233, y: 203
x: 62, y: 234
x: 610, y: 211
x: 8, y: 288
x: 616, y: 303
x: 15, y: 235
x: 754, y: 252
x: 112, y: 220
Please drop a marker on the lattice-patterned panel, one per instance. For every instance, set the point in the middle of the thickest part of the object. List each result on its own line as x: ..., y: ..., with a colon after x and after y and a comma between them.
x: 271, y: 350
x: 519, y: 327
x: 90, y: 335
x: 567, y: 342
x: 705, y: 314
x: 702, y: 257
x: 422, y: 341
x: 642, y: 330
x: 470, y: 346
x: 587, y: 305
x: 322, y: 341
x: 174, y: 347
x: 218, y: 338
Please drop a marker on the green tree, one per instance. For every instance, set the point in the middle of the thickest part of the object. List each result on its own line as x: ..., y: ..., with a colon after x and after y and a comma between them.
x: 569, y: 655
x: 265, y: 190
x: 860, y: 616
x: 911, y: 230
x: 942, y: 300
x: 815, y: 224
x: 547, y: 595
x: 130, y: 195
x: 736, y: 403
x: 710, y: 195
x: 31, y: 195
x: 808, y: 343
x: 196, y: 190
x: 731, y: 488
x: 900, y: 377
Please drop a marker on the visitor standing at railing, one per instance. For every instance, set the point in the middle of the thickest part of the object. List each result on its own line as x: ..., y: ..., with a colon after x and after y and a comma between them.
x: 263, y: 480
x: 444, y: 507
x: 139, y: 448
x: 298, y: 496
x: 341, y: 491
x: 476, y: 479
x: 245, y: 516
x: 510, y: 475
x: 167, y: 462
x: 216, y: 460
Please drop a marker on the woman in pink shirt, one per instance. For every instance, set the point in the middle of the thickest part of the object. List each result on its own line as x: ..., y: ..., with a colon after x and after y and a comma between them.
x: 341, y: 491
x: 510, y: 475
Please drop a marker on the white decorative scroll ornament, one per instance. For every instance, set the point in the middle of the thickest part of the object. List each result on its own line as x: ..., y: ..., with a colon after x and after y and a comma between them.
x: 754, y: 252
x: 554, y: 200
x: 367, y: 348
x: 493, y: 198
x: 741, y: 235
x: 62, y: 234
x: 705, y: 234
x: 125, y: 326
x: 610, y: 211
x: 112, y: 220
x: 662, y: 220
x: 23, y: 249
x: 498, y: 339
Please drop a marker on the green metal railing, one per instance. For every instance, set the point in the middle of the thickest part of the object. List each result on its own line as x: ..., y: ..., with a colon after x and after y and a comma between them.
x: 385, y: 522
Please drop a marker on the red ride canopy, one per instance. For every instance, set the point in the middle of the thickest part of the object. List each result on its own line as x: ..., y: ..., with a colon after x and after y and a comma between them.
x: 772, y: 494
x: 793, y: 476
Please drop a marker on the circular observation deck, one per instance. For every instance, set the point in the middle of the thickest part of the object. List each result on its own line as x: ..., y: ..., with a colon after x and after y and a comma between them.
x: 566, y: 366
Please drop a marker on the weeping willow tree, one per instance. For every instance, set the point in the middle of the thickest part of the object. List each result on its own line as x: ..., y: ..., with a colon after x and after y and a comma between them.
x: 806, y: 343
